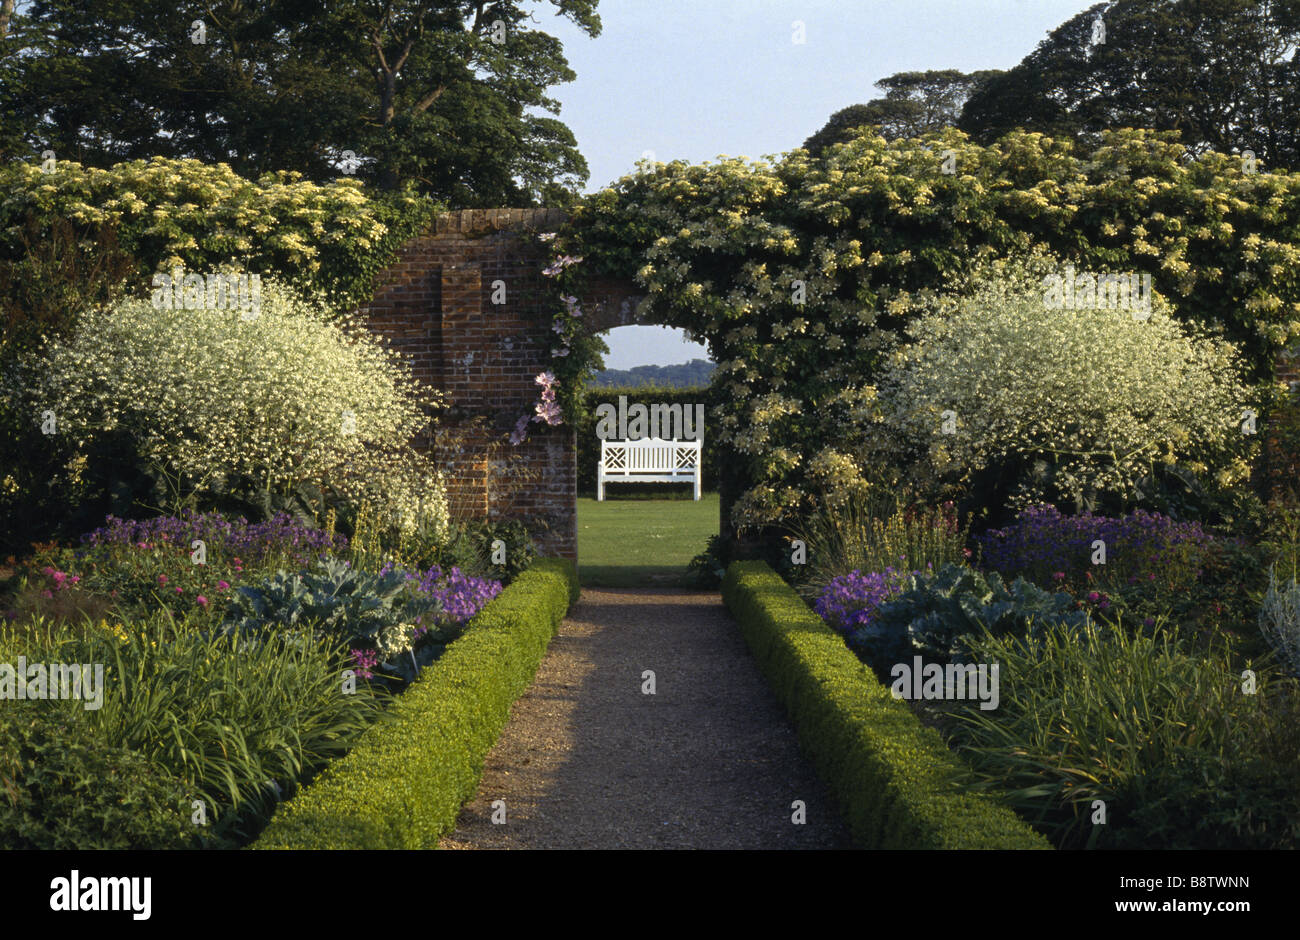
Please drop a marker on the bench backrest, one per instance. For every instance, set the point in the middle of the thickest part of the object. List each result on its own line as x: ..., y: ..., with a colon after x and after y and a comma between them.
x: 650, y: 454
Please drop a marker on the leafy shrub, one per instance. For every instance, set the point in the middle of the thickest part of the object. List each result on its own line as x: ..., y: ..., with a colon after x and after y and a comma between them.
x: 330, y: 239
x: 865, y: 533
x: 935, y: 614
x: 892, y: 776
x: 1279, y: 620
x: 372, y: 611
x: 707, y: 569
x: 64, y: 787
x: 1046, y: 546
x: 241, y: 722
x: 403, y: 785
x: 211, y: 404
x: 1101, y: 712
x: 1058, y: 403
x: 721, y: 248
x: 471, y: 549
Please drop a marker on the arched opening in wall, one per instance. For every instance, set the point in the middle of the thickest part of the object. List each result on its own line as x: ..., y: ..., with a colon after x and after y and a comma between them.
x: 647, y: 466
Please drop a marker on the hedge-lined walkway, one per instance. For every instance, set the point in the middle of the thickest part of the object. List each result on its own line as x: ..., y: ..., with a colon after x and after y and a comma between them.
x: 589, y: 761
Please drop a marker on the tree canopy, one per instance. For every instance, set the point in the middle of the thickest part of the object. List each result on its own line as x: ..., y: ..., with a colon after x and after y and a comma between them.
x: 450, y: 96
x: 915, y: 103
x: 1223, y: 73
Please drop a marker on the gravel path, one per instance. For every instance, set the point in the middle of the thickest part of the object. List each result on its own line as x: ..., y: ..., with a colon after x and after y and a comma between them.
x: 588, y: 760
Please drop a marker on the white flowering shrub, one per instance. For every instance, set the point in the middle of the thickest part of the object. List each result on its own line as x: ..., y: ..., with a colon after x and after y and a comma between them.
x: 1089, y: 399
x: 280, y: 401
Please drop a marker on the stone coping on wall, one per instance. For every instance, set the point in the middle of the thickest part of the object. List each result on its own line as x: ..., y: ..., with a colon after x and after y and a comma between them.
x: 486, y: 221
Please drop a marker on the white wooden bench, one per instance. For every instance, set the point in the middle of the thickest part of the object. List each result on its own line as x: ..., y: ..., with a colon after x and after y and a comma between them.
x: 650, y: 460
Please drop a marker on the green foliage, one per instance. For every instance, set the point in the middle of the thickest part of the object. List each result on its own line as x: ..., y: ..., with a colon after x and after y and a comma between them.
x: 871, y: 224
x: 936, y: 615
x: 1220, y: 73
x: 893, y: 778
x: 518, y: 545
x: 63, y: 787
x: 998, y: 383
x: 1139, y: 720
x: 693, y: 374
x: 338, y: 601
x: 54, y: 269
x: 871, y: 532
x: 328, y: 240
x: 255, y: 408
x: 433, y: 95
x: 915, y: 103
x: 403, y: 785
x: 709, y: 567
x: 1279, y: 620
x: 238, y: 722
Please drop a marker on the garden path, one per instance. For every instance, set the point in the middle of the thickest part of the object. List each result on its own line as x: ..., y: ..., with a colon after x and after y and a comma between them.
x: 588, y: 760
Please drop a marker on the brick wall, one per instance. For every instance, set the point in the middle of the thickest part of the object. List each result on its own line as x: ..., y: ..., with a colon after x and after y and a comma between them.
x: 435, y: 304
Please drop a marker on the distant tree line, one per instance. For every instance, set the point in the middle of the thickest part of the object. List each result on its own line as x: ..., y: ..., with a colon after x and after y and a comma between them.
x: 693, y: 374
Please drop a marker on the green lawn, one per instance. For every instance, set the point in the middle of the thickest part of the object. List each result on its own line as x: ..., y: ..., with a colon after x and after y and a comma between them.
x: 639, y: 542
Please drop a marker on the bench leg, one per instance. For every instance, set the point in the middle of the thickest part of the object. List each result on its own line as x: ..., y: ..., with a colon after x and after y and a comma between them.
x: 600, y: 488
x: 697, y: 486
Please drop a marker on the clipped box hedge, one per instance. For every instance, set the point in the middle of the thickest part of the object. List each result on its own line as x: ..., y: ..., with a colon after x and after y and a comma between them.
x: 403, y: 784
x: 892, y: 776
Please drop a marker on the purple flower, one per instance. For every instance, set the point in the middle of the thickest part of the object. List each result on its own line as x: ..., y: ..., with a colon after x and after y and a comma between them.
x: 366, y: 661
x: 849, y: 602
x: 520, y: 433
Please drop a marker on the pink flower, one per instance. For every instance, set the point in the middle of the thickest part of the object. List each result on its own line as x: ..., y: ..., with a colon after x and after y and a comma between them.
x: 549, y: 412
x: 180, y: 590
x: 223, y: 585
x: 200, y: 600
x: 162, y: 579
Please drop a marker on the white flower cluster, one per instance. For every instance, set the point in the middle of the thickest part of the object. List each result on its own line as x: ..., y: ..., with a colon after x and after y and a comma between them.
x: 289, y: 397
x: 1097, y: 394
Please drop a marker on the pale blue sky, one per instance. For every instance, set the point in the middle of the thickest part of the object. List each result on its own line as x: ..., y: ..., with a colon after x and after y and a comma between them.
x: 693, y: 79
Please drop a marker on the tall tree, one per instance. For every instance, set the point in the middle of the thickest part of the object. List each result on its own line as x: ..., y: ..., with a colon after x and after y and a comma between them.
x: 914, y: 103
x: 449, y: 95
x: 1221, y: 72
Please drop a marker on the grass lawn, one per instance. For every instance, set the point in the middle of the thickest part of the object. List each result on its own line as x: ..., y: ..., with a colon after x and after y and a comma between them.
x: 641, y: 542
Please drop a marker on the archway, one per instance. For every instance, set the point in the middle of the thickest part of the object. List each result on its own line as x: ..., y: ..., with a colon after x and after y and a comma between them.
x: 634, y: 532
x: 463, y: 304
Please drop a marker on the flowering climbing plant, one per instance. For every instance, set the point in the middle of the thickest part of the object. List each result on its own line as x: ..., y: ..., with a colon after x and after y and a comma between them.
x: 575, y: 353
x: 546, y: 411
x: 803, y: 272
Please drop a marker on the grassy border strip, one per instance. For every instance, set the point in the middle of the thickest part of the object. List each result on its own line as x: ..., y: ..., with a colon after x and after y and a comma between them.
x: 403, y: 784
x: 891, y: 775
